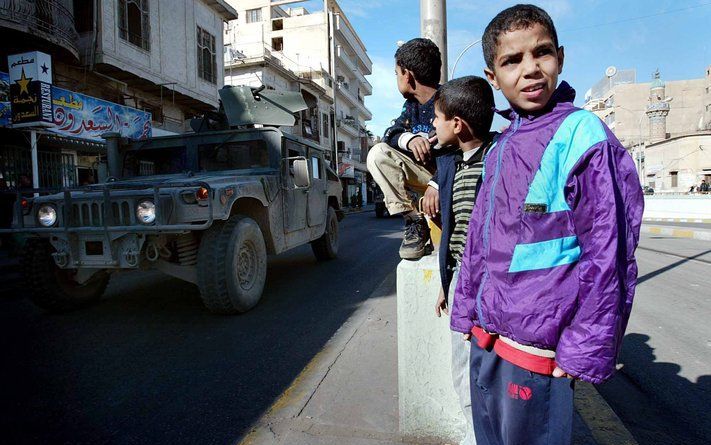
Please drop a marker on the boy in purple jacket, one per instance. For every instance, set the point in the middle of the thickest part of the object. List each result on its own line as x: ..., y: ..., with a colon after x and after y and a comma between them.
x: 548, y: 273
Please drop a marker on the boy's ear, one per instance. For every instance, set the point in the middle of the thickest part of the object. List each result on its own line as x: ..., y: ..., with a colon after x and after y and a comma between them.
x: 491, y: 77
x: 561, y: 58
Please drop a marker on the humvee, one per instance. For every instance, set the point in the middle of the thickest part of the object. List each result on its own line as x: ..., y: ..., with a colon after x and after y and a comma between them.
x: 206, y: 207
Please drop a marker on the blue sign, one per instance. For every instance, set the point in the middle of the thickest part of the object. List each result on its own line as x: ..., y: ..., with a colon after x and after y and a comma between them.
x: 85, y: 117
x: 5, y: 109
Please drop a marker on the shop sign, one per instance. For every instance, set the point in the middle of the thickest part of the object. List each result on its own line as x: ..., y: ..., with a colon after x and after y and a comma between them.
x: 346, y: 169
x: 30, y: 89
x: 85, y: 117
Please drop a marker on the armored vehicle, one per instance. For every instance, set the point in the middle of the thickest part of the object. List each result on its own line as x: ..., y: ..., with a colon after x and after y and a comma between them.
x: 206, y: 207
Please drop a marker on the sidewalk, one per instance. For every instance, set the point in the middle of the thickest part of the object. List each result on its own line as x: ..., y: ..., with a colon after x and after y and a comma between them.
x: 348, y: 392
x: 676, y: 231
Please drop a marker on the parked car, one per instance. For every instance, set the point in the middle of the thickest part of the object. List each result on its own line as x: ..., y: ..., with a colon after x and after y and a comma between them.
x: 647, y: 190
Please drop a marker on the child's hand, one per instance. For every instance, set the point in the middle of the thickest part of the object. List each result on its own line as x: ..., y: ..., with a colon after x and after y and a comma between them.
x: 441, y: 305
x: 557, y: 372
x: 430, y: 202
x: 420, y: 147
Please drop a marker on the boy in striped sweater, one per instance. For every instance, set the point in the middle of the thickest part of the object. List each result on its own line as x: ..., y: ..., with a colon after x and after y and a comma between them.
x: 464, y: 110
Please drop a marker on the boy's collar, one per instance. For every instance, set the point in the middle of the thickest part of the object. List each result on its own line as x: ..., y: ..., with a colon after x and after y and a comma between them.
x: 563, y: 94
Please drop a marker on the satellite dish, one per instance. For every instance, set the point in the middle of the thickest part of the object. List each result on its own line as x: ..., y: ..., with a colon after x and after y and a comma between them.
x: 610, y: 71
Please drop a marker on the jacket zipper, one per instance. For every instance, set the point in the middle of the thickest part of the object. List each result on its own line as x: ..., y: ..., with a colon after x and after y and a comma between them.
x: 487, y: 220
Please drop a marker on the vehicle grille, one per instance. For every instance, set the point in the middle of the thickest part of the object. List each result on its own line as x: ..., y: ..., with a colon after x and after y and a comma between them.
x: 92, y: 214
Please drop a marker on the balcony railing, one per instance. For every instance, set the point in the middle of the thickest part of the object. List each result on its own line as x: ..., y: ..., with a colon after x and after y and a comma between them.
x: 49, y: 19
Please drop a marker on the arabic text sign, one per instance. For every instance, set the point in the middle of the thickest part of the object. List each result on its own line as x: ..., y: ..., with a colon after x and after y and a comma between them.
x: 86, y: 117
x: 34, y: 66
x: 30, y: 89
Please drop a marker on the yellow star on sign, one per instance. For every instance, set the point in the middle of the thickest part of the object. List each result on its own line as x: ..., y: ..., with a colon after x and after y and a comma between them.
x: 24, y: 82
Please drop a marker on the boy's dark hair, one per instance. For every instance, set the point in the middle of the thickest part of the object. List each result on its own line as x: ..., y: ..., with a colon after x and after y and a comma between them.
x: 472, y: 99
x: 422, y: 57
x: 512, y: 19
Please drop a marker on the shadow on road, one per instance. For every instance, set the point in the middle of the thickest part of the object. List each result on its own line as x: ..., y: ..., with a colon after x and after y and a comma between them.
x: 150, y: 365
x: 651, y: 419
x: 661, y: 270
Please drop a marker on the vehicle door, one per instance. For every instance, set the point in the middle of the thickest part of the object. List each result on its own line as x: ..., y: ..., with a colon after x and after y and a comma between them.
x: 295, y: 198
x: 318, y: 193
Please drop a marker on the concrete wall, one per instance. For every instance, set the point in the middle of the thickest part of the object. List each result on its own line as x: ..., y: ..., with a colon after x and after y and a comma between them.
x: 172, y: 56
x: 689, y: 157
x: 678, y: 207
x: 428, y: 403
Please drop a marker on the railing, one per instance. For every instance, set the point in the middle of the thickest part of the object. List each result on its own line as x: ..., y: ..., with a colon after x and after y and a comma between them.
x: 50, y: 18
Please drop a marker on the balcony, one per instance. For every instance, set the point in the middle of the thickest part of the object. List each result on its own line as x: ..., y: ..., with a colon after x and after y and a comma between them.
x: 49, y: 20
x: 349, y: 126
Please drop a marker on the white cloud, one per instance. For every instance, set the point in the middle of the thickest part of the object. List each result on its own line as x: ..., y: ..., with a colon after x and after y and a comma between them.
x: 386, y: 101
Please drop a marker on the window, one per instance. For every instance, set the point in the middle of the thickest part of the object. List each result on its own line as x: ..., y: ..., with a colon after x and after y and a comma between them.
x: 207, y: 65
x: 277, y: 24
x: 155, y: 161
x: 315, y: 167
x: 325, y: 126
x: 674, y: 179
x: 134, y: 22
x: 278, y: 43
x: 254, y: 15
x: 233, y: 156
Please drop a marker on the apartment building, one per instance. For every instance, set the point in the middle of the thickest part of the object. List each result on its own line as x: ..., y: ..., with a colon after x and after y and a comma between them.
x: 288, y: 48
x: 159, y: 57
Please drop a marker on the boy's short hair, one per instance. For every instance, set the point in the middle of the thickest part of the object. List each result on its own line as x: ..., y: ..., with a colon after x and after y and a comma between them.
x: 470, y: 98
x: 422, y: 57
x: 512, y: 19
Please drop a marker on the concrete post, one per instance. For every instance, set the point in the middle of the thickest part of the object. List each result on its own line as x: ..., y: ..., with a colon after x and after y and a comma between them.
x: 433, y: 26
x: 35, y: 159
x: 428, y: 405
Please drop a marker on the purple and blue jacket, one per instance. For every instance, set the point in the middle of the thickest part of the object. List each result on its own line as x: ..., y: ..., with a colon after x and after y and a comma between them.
x: 549, y: 260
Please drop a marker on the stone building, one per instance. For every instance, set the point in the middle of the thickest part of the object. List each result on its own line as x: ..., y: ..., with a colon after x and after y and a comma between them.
x: 159, y: 56
x: 318, y: 53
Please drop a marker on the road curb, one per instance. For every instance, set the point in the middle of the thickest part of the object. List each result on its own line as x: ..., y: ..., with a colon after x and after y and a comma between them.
x: 292, y: 401
x: 677, y: 220
x: 699, y: 234
x: 601, y: 420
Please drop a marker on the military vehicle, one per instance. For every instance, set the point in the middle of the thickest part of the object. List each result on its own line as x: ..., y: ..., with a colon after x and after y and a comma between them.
x: 206, y: 207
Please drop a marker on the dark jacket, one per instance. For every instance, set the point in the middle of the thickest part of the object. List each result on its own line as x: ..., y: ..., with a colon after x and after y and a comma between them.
x: 444, y: 178
x: 414, y: 120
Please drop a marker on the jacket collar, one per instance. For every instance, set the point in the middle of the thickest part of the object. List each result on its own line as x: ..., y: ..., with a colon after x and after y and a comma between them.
x: 564, y: 95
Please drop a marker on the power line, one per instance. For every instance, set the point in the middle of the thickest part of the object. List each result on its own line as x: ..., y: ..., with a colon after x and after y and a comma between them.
x: 631, y: 19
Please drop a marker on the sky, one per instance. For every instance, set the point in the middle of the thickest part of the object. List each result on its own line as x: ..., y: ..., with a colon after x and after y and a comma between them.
x: 671, y: 35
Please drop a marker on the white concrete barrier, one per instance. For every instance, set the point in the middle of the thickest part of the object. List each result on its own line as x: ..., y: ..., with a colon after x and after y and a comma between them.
x: 428, y: 403
x: 677, y: 207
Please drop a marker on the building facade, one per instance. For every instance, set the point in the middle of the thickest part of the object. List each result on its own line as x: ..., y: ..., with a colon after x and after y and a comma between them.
x: 318, y: 53
x: 158, y: 56
x: 664, y: 125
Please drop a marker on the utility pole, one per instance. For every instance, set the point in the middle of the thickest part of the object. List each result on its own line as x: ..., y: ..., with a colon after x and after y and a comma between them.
x: 433, y: 26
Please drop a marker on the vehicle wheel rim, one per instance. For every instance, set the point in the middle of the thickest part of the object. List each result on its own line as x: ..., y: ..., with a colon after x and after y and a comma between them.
x: 246, y: 265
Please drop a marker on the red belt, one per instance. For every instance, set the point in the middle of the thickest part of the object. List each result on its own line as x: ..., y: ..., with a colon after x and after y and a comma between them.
x: 522, y: 359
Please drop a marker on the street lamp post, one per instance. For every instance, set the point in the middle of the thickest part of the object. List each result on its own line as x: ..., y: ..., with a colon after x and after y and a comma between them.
x: 451, y: 75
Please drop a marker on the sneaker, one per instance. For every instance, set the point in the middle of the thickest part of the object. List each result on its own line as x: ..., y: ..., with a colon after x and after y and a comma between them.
x: 415, y: 244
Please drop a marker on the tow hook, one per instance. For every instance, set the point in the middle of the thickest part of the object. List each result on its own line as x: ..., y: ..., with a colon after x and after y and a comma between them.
x: 61, y: 259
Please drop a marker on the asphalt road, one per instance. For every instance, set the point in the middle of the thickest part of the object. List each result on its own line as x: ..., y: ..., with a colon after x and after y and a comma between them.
x: 150, y: 365
x: 663, y: 392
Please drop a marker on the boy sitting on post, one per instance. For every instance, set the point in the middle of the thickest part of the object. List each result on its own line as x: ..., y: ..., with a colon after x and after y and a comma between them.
x: 464, y: 111
x: 548, y: 273
x: 403, y: 160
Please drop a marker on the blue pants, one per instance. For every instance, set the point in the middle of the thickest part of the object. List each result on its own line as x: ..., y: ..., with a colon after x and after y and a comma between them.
x: 512, y: 406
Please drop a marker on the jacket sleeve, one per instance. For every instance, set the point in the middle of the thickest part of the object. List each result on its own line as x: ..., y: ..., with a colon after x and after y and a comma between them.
x: 398, y: 134
x: 605, y: 196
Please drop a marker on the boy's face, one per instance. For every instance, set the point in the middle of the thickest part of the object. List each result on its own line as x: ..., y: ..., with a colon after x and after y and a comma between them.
x: 526, y: 67
x: 445, y: 128
x: 403, y: 81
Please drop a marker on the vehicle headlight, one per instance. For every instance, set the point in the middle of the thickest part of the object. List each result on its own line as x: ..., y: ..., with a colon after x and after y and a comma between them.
x: 146, y: 212
x: 47, y: 215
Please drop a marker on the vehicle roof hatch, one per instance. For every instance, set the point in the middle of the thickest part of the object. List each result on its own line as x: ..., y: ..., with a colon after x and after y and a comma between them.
x: 245, y: 105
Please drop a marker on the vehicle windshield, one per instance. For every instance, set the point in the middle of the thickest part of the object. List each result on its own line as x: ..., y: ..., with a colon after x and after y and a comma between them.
x: 155, y: 161
x: 234, y: 155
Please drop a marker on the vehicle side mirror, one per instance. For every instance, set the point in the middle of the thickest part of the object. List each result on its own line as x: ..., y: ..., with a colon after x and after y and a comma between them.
x: 301, y: 173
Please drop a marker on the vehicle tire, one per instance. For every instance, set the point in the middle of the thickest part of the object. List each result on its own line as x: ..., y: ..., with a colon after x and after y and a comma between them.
x: 379, y: 210
x: 53, y: 289
x: 232, y: 266
x: 326, y: 247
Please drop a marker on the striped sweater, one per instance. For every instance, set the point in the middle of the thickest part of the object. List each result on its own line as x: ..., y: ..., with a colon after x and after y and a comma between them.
x: 463, y: 198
